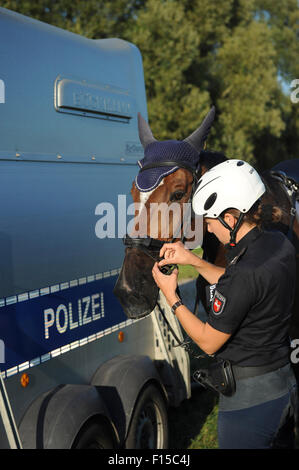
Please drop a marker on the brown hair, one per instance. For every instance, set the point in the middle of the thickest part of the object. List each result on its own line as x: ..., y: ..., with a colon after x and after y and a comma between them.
x: 259, y: 214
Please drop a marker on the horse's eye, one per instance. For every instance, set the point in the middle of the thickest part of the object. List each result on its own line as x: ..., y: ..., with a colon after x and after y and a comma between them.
x: 177, y: 196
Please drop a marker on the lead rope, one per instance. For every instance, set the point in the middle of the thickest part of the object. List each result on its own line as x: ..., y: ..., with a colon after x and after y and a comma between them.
x: 186, y: 344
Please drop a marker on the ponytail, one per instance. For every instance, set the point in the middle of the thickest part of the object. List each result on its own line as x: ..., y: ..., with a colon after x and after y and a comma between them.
x: 261, y: 215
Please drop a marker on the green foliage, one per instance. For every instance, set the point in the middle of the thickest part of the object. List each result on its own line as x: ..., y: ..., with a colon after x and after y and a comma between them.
x: 248, y: 89
x: 233, y: 54
x: 91, y: 18
x: 169, y: 44
x: 193, y: 424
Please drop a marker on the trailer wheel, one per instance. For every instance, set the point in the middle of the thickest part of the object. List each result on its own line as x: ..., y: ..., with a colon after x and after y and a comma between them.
x: 94, y: 435
x: 149, y: 423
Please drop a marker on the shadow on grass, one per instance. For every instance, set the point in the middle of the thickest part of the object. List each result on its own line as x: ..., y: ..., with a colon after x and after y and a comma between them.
x: 193, y: 424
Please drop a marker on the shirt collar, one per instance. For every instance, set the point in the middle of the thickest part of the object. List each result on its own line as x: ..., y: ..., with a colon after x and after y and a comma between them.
x: 235, y: 251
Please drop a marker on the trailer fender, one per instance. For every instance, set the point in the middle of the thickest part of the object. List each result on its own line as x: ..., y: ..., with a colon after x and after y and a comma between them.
x: 120, y: 381
x: 54, y: 419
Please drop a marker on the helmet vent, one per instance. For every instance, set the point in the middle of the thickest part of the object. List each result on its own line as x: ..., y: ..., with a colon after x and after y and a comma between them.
x: 210, y: 201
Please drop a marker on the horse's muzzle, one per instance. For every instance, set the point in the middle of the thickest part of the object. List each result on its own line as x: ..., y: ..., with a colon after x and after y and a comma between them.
x: 135, y: 287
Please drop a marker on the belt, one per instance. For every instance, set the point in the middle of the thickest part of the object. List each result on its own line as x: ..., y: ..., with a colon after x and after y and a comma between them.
x: 244, y: 372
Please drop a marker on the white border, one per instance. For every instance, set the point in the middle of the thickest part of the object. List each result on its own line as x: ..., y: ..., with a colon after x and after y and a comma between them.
x: 75, y: 344
x: 56, y: 288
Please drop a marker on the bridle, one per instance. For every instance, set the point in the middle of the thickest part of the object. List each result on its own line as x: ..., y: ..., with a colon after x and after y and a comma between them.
x: 291, y: 188
x: 149, y: 245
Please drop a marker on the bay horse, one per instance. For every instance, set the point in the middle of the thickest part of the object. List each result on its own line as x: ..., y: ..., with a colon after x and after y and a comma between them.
x: 169, y: 172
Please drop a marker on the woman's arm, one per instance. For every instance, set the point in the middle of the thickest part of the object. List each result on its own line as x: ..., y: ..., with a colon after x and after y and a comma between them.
x: 176, y: 253
x: 206, y: 337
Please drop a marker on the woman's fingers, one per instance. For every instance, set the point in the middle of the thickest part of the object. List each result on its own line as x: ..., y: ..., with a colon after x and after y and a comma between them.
x: 165, y: 247
x: 173, y: 253
x: 163, y: 262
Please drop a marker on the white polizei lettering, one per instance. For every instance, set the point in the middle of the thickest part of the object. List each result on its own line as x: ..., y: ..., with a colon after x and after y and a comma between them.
x: 61, y: 328
x: 74, y: 315
x: 102, y: 304
x: 94, y: 306
x: 86, y: 319
x: 72, y: 323
x: 80, y: 312
x: 49, y: 318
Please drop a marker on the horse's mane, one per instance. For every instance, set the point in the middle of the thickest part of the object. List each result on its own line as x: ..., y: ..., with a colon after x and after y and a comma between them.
x: 276, y: 196
x: 211, y: 158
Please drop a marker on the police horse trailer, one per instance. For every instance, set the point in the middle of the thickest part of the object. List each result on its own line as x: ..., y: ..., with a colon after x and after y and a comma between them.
x: 76, y: 371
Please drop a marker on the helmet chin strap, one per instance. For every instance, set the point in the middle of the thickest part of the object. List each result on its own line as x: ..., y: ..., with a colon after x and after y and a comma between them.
x: 233, y: 231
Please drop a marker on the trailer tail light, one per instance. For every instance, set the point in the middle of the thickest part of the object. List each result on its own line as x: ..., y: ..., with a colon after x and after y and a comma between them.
x: 24, y: 380
x: 121, y: 336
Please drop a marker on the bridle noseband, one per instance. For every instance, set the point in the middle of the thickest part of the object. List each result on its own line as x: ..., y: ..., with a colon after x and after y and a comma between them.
x: 147, y: 244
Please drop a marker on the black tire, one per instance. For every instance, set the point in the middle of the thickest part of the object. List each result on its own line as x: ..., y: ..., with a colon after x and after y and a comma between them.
x: 94, y: 435
x: 149, y: 423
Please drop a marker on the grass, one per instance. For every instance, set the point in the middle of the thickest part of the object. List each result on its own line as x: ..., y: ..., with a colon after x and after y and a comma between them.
x: 194, y: 424
x: 188, y: 272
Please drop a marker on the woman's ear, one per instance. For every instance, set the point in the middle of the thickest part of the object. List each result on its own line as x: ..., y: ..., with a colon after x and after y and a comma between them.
x: 230, y: 219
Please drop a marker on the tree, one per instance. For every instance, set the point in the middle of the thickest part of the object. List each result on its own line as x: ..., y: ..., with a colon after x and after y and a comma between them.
x: 169, y: 43
x: 240, y: 63
x: 91, y: 18
x: 240, y: 55
x: 230, y: 54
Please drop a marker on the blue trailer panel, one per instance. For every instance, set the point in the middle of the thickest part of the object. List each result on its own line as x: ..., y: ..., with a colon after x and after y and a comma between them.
x: 68, y: 148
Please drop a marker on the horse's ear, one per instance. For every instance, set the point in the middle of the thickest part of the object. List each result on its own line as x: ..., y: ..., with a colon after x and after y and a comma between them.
x: 198, y: 137
x: 145, y: 134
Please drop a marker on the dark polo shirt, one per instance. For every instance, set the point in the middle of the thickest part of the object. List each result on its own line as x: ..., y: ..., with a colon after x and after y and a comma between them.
x: 253, y: 299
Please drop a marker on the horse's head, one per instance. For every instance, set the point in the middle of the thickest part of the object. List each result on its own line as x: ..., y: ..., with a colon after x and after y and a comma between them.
x: 168, y: 173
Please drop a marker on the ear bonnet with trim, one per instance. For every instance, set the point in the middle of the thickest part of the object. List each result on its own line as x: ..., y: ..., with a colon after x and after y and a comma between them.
x: 184, y: 151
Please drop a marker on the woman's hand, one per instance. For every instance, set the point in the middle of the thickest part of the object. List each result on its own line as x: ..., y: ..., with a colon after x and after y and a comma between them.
x: 175, y: 253
x: 167, y: 284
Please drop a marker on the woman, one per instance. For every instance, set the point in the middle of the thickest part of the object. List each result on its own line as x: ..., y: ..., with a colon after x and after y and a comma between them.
x: 250, y: 309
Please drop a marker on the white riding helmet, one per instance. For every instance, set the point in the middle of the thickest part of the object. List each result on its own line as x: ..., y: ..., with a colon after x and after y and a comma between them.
x: 231, y: 184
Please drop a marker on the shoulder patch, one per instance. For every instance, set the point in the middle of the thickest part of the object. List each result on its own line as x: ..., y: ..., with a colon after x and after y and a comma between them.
x: 219, y: 302
x: 212, y: 288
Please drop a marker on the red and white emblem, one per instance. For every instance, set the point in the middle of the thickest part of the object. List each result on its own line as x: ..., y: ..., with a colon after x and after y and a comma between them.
x: 218, y: 303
